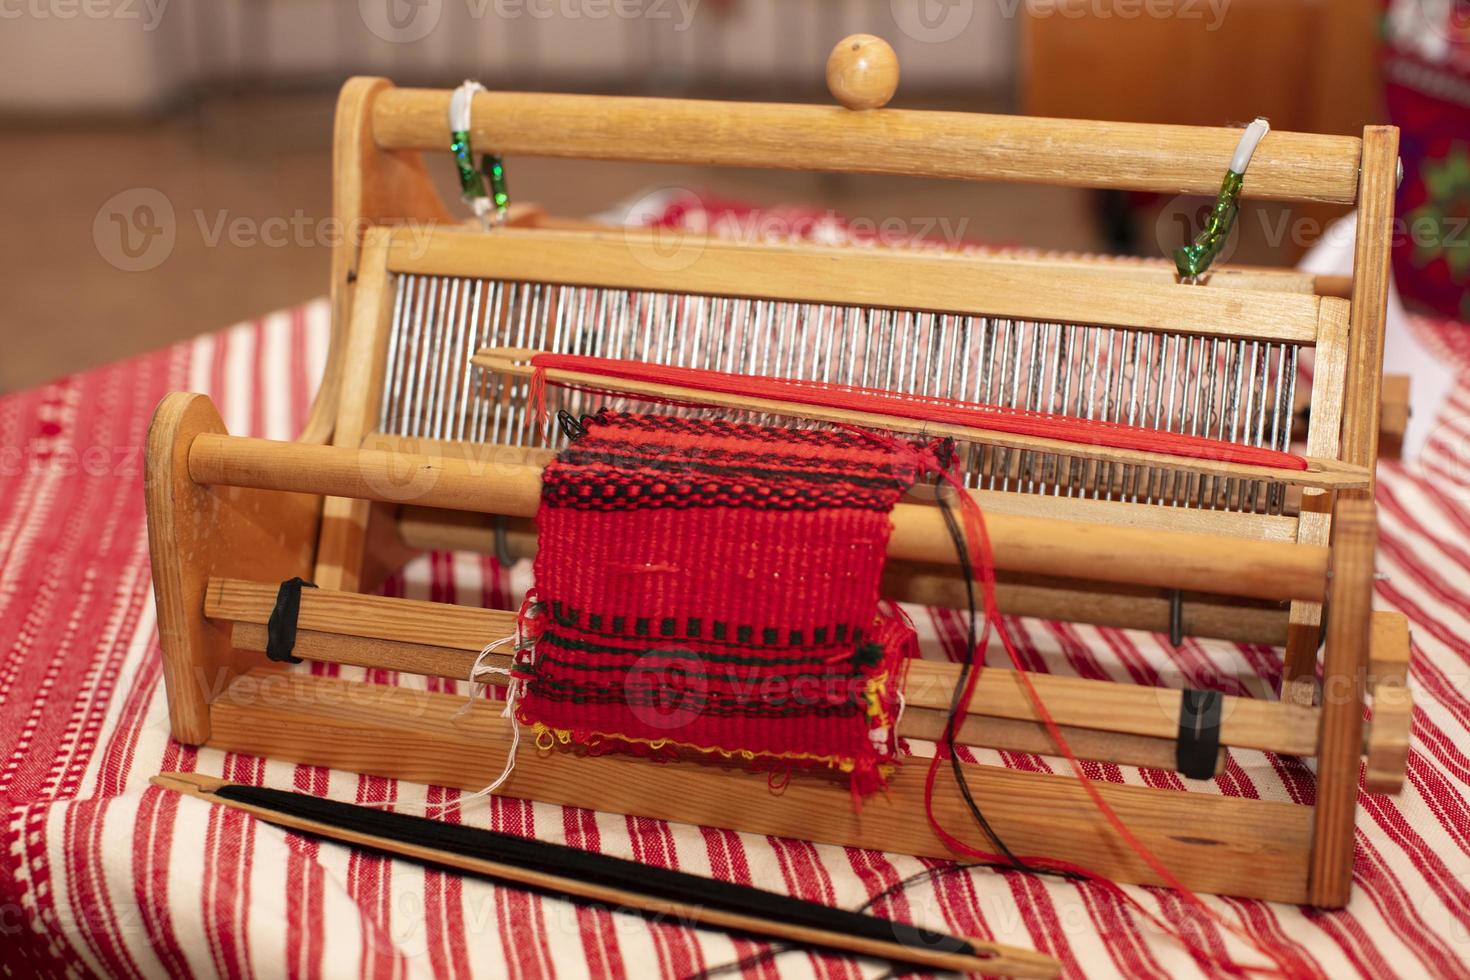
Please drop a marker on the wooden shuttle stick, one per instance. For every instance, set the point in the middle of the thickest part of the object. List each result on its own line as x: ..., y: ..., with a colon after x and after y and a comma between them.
x: 335, y: 821
x: 1102, y: 552
x: 1324, y: 473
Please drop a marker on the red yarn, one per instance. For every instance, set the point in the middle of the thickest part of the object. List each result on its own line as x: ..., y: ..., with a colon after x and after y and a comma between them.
x: 876, y: 401
x: 982, y: 561
x: 708, y: 587
x: 703, y: 567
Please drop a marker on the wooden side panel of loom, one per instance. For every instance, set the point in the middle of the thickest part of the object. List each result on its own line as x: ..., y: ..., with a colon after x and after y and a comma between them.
x: 195, y: 532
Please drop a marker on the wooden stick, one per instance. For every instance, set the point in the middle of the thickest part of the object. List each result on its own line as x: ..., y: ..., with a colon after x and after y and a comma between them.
x: 1344, y: 664
x: 1193, y: 562
x: 1371, y: 261
x: 442, y: 639
x: 960, y: 145
x: 994, y: 959
x: 1043, y: 596
x: 1325, y: 473
x: 930, y: 280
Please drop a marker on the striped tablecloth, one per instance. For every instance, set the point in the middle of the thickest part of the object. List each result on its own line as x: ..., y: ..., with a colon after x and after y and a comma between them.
x: 102, y: 874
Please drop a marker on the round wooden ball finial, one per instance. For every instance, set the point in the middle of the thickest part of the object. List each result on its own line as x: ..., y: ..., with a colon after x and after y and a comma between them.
x: 862, y: 72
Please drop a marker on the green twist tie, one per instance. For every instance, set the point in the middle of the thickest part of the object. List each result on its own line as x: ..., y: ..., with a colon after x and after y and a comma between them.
x: 495, y: 170
x: 469, y: 179
x: 1193, y: 260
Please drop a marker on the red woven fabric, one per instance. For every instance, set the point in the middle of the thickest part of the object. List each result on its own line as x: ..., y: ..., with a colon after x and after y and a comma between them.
x: 712, y: 587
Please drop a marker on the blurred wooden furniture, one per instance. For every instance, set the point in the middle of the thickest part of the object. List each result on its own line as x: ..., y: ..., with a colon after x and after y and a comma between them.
x: 1307, y: 65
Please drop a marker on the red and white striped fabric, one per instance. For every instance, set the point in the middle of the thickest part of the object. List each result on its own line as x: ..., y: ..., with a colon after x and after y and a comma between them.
x: 102, y: 874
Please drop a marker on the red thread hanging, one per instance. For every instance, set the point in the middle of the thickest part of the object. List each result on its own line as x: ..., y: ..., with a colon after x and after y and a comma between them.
x: 982, y: 561
x: 927, y: 408
x: 1016, y: 421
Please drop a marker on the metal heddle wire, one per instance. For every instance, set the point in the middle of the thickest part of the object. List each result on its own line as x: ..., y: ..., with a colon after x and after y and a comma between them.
x: 1236, y: 390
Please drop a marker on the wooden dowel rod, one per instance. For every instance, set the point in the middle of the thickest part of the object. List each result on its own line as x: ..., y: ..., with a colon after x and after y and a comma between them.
x: 442, y: 639
x: 1194, y: 562
x: 1045, y: 597
x: 977, y: 730
x: 959, y: 145
x: 1324, y: 473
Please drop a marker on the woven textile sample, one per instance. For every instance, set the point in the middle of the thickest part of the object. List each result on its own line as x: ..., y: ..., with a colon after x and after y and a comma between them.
x: 709, y: 587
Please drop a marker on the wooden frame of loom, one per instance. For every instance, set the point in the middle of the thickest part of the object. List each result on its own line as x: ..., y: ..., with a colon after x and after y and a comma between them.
x: 381, y: 178
x: 230, y: 518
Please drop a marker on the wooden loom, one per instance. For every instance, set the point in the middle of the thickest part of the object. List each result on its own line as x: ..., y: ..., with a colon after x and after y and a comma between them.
x: 1220, y: 550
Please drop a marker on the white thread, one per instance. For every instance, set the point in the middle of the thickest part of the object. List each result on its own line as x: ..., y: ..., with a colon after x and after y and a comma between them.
x: 1249, y: 140
x: 885, y: 737
x: 461, y: 111
x: 512, y: 691
x: 459, y: 106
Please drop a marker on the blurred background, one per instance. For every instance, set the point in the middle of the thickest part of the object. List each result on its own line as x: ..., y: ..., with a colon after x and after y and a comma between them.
x: 207, y: 125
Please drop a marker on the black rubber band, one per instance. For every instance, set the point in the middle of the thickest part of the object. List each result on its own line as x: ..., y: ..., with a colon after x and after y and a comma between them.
x: 1199, y: 733
x: 1176, y: 618
x: 280, y: 629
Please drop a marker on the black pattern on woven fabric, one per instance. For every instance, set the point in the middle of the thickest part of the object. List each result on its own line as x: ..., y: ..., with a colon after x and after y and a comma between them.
x: 624, y: 465
x: 713, y: 586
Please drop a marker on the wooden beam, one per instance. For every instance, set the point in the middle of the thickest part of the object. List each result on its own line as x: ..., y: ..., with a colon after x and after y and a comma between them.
x: 443, y: 639
x: 1344, y: 665
x: 912, y: 279
x: 959, y: 145
x: 1216, y: 844
x: 1195, y: 562
x: 1372, y: 254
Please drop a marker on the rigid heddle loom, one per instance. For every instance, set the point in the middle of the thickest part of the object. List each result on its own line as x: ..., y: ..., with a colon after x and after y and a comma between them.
x: 1124, y: 436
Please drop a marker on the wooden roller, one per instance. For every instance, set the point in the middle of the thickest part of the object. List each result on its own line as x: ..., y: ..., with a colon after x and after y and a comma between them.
x: 1105, y: 552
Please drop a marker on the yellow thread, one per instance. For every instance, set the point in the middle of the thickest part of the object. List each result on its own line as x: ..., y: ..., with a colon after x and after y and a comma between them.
x: 566, y: 736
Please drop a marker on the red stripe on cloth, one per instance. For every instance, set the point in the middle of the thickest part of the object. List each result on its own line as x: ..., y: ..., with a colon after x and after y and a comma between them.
x: 652, y: 843
x: 443, y: 903
x: 521, y: 917
x: 804, y: 875
x: 306, y: 887
x: 369, y: 879
x: 596, y: 928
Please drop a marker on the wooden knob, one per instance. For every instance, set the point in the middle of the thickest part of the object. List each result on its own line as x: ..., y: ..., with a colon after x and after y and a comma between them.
x: 862, y: 72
